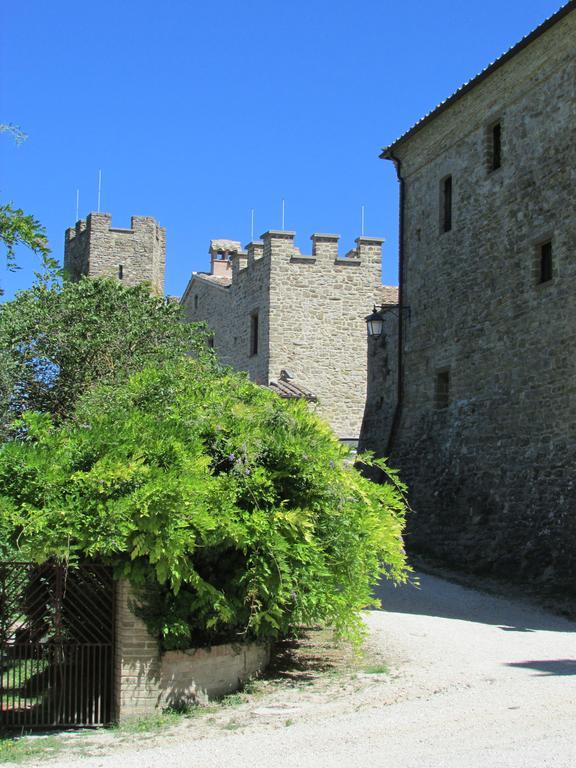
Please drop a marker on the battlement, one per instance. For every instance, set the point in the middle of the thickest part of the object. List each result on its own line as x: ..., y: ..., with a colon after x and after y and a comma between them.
x: 99, y: 222
x: 94, y: 248
x: 228, y: 258
x: 271, y: 307
x: 324, y: 249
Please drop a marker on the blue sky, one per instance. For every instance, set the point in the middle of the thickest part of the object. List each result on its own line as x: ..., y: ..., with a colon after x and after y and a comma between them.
x: 198, y: 112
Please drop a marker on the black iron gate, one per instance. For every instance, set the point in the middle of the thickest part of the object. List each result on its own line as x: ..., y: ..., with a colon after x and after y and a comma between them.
x: 56, y: 645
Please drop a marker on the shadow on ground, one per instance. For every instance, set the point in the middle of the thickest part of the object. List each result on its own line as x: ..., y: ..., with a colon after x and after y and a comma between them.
x: 560, y: 667
x: 304, y: 659
x: 441, y: 598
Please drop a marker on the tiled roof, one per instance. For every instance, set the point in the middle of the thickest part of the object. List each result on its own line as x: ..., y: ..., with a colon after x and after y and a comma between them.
x: 549, y: 22
x: 218, y: 279
x: 225, y: 246
x: 286, y: 387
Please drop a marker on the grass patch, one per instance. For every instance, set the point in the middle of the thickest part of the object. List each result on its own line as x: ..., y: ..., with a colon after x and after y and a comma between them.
x: 20, y: 671
x: 376, y: 669
x: 250, y: 690
x: 20, y: 749
x: 152, y: 723
x: 232, y: 700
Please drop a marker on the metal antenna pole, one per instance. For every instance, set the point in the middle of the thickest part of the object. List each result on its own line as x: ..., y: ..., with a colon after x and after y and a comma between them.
x: 251, y: 225
x: 362, y: 222
x: 283, y: 211
x: 99, y: 188
x: 77, y: 205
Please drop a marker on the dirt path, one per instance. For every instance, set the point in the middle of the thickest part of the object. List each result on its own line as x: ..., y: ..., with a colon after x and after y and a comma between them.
x: 474, y: 681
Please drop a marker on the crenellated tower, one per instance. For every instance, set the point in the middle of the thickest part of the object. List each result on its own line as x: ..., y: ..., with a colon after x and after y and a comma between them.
x: 272, y: 308
x: 136, y: 255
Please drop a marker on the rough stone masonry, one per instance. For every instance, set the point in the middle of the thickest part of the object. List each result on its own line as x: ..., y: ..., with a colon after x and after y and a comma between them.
x: 273, y: 312
x: 485, y: 426
x: 271, y: 308
x: 136, y: 255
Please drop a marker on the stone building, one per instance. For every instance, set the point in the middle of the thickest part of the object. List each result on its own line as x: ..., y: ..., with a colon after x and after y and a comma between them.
x: 287, y: 317
x: 136, y: 255
x: 480, y: 366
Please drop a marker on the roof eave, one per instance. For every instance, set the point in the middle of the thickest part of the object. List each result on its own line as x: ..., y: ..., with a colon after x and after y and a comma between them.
x: 387, y: 153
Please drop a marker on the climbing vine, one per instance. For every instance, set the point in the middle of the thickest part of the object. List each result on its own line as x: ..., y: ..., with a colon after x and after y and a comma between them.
x: 236, y: 511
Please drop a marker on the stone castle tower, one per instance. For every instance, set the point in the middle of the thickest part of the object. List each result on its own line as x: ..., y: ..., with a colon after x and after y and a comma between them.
x: 94, y: 248
x: 282, y: 315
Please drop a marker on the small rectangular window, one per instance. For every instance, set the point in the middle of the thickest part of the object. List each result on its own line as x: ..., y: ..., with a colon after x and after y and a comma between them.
x: 442, y: 393
x: 545, y: 262
x: 495, y: 146
x: 446, y: 204
x: 120, y: 271
x: 254, y: 333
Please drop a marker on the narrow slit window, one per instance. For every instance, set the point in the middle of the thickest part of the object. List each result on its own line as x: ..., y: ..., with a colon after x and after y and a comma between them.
x: 546, y: 263
x: 254, y: 333
x: 446, y: 204
x: 120, y: 271
x: 442, y: 393
x: 496, y: 146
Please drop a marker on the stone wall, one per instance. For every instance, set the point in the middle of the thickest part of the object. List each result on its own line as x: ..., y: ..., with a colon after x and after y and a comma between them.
x: 136, y: 255
x: 311, y: 311
x: 147, y: 681
x: 317, y: 326
x: 492, y: 474
x: 227, y: 309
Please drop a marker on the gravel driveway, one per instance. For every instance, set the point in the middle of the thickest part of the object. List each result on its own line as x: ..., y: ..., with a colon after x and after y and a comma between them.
x: 475, y: 681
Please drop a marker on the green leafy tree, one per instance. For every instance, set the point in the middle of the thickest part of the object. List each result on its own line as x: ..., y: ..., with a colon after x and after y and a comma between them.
x: 236, y: 509
x: 17, y: 227
x: 58, y: 339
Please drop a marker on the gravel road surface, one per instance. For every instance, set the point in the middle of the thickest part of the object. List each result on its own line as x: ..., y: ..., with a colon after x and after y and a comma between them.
x: 475, y: 681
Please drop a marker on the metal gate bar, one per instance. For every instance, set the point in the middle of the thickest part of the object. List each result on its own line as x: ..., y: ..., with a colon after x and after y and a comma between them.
x: 56, y: 645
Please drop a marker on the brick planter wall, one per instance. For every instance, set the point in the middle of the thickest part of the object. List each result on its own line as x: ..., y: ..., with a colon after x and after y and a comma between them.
x: 199, y: 674
x: 138, y: 661
x: 147, y: 681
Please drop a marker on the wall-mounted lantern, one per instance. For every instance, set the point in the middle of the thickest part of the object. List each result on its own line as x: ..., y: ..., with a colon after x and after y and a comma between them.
x: 375, y: 322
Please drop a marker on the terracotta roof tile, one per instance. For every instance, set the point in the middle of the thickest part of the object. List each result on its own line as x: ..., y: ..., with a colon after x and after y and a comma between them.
x: 225, y: 246
x: 217, y: 279
x: 287, y: 387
